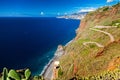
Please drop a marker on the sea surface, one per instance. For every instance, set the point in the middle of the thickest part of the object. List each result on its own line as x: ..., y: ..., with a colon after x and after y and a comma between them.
x: 31, y: 42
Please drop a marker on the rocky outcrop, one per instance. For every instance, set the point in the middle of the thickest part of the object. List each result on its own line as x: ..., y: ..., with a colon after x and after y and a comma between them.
x: 60, y: 51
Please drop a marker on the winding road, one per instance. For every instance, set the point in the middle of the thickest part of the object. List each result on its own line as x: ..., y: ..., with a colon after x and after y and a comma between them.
x: 110, y: 35
x: 99, y: 45
x: 48, y: 74
x: 101, y: 27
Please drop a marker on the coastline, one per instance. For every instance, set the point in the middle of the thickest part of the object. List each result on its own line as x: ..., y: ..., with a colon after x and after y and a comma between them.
x: 59, y: 52
x: 48, y: 68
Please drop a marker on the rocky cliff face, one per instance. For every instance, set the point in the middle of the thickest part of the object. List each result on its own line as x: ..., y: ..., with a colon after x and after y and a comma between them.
x: 84, y: 61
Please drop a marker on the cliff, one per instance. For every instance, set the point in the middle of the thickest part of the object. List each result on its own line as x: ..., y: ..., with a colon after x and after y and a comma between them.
x: 94, y: 54
x: 95, y: 51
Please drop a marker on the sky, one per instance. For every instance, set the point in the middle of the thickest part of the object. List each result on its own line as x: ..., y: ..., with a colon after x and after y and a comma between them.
x: 38, y: 8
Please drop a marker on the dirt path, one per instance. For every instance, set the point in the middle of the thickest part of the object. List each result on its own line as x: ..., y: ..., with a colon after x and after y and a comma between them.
x: 99, y: 45
x: 110, y: 35
x: 101, y: 27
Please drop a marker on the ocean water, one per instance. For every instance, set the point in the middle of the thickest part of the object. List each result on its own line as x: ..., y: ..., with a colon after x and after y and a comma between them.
x: 31, y: 42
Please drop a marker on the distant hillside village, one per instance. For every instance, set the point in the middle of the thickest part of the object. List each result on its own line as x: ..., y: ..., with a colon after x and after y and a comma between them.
x: 78, y: 16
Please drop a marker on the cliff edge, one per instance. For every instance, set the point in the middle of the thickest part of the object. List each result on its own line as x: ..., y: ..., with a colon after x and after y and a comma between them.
x: 83, y: 58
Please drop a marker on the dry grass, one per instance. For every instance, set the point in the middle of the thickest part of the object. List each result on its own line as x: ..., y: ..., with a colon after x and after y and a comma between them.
x: 91, y: 60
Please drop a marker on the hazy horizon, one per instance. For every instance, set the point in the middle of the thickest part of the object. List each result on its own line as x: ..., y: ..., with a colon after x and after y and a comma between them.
x: 46, y: 8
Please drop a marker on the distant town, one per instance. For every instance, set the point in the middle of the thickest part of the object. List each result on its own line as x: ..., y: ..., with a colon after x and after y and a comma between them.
x: 78, y: 16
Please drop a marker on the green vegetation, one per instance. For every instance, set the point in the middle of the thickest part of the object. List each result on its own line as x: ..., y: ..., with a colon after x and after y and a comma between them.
x: 108, y: 75
x: 13, y: 75
x: 27, y: 74
x: 5, y: 72
x: 38, y: 78
x: 105, y: 8
x: 91, y: 61
x: 18, y: 75
x: 60, y: 72
x: 115, y: 23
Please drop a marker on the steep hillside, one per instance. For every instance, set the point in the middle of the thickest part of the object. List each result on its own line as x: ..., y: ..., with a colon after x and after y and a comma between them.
x: 96, y: 48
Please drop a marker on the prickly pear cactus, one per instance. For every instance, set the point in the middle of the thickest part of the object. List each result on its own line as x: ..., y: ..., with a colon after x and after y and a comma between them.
x: 27, y: 74
x: 13, y: 74
x: 5, y: 74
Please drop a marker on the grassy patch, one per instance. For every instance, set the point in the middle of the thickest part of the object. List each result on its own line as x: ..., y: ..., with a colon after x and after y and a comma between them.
x: 88, y: 65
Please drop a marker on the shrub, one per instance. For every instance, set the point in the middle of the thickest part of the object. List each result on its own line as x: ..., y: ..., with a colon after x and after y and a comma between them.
x: 5, y: 74
x: 60, y: 72
x: 105, y: 8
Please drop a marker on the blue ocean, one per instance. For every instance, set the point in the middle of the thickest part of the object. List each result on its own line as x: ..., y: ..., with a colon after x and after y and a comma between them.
x: 31, y: 42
